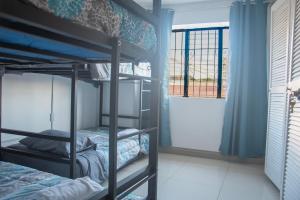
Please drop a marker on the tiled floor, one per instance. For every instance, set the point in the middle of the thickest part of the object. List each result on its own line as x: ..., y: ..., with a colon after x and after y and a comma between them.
x: 190, y: 178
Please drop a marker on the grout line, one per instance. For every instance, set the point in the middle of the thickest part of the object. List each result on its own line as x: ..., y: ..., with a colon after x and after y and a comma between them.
x: 179, y: 167
x: 223, y: 182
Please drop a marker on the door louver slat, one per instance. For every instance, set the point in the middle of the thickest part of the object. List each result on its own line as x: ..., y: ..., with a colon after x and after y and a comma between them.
x: 277, y: 97
x: 291, y: 183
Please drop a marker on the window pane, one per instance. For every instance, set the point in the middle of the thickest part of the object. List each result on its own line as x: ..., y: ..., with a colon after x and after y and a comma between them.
x: 203, y: 63
x: 203, y: 66
x: 225, y: 61
x: 176, y: 64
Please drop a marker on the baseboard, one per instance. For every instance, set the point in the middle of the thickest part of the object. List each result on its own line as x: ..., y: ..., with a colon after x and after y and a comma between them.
x: 209, y: 154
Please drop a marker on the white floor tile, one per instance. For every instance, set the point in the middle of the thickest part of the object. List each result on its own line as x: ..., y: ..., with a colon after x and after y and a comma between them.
x: 244, y: 168
x: 174, y: 189
x: 190, y: 178
x: 270, y: 192
x: 247, y: 182
x: 202, y: 171
x: 169, y: 165
x: 194, y: 178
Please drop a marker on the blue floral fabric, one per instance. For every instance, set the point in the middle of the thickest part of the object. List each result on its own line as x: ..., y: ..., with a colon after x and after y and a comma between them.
x: 61, y: 8
x: 127, y: 150
x: 18, y: 182
x: 105, y: 16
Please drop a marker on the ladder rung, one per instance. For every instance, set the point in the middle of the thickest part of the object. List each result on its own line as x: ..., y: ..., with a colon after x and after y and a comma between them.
x: 145, y: 110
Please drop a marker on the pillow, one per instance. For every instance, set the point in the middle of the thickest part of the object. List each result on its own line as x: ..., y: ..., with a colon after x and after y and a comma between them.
x: 57, y: 147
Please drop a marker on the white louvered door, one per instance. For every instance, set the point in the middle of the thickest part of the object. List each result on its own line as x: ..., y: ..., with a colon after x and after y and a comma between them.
x: 291, y: 180
x: 278, y: 97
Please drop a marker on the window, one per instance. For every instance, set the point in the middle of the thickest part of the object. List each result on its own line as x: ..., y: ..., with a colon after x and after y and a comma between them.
x: 199, y: 62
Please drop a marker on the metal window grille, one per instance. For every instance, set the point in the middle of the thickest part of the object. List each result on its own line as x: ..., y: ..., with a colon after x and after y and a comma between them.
x: 199, y: 62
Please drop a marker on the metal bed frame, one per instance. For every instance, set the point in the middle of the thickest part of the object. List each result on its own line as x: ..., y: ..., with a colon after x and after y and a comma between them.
x: 17, y: 16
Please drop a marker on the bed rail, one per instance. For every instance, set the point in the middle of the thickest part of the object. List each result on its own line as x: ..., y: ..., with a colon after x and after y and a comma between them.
x: 132, y: 182
x: 73, y: 72
x: 44, y: 25
x: 66, y: 69
x: 129, y: 184
x: 35, y: 135
x: 38, y: 155
x: 41, y: 24
x: 140, y: 132
x: 122, y: 116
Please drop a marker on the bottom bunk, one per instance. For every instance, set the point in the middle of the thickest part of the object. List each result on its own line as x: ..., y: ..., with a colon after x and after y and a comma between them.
x: 92, y: 152
x: 19, y: 182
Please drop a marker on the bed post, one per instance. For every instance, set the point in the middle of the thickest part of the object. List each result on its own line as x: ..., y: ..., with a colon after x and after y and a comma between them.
x: 141, y: 108
x: 100, y: 104
x: 154, y: 119
x: 113, y: 118
x: 73, y: 121
x: 1, y: 76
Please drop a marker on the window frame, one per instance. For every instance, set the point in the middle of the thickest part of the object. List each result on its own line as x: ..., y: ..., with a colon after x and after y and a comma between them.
x: 186, y: 59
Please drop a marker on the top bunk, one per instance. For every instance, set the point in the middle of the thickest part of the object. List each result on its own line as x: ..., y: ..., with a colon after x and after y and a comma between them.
x: 34, y: 32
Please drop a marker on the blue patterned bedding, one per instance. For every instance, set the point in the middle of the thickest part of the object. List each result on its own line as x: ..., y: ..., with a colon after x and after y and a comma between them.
x: 93, y: 162
x: 127, y: 150
x: 105, y: 16
x: 23, y: 183
x: 18, y: 182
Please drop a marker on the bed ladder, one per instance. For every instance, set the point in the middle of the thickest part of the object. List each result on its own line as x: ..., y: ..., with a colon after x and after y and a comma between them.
x: 144, y: 108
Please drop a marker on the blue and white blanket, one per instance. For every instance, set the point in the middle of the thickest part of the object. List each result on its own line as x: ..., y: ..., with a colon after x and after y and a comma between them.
x: 23, y: 183
x: 19, y: 182
x: 95, y: 163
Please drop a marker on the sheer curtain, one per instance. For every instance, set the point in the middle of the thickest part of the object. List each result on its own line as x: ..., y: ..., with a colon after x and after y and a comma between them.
x: 166, y: 28
x: 245, y: 120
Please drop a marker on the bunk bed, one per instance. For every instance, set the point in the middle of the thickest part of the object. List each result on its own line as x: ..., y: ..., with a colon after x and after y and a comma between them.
x: 49, y: 38
x: 92, y: 144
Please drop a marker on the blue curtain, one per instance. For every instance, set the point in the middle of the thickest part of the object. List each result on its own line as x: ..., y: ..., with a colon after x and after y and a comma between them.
x: 166, y: 29
x: 245, y: 120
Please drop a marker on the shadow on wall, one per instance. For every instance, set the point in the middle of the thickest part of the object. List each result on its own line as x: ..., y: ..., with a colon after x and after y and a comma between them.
x: 27, y: 103
x: 196, y: 123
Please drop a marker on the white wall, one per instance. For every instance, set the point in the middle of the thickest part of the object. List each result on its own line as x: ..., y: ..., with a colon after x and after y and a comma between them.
x: 128, y: 102
x: 196, y: 123
x: 87, y: 104
x: 27, y: 103
x: 201, y: 12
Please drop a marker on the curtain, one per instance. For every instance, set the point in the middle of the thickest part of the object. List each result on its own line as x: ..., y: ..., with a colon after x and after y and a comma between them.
x: 166, y: 29
x: 245, y: 119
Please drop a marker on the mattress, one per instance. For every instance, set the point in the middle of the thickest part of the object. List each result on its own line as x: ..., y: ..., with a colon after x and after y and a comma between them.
x: 20, y: 183
x: 105, y: 16
x: 60, y: 169
x: 92, y: 163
